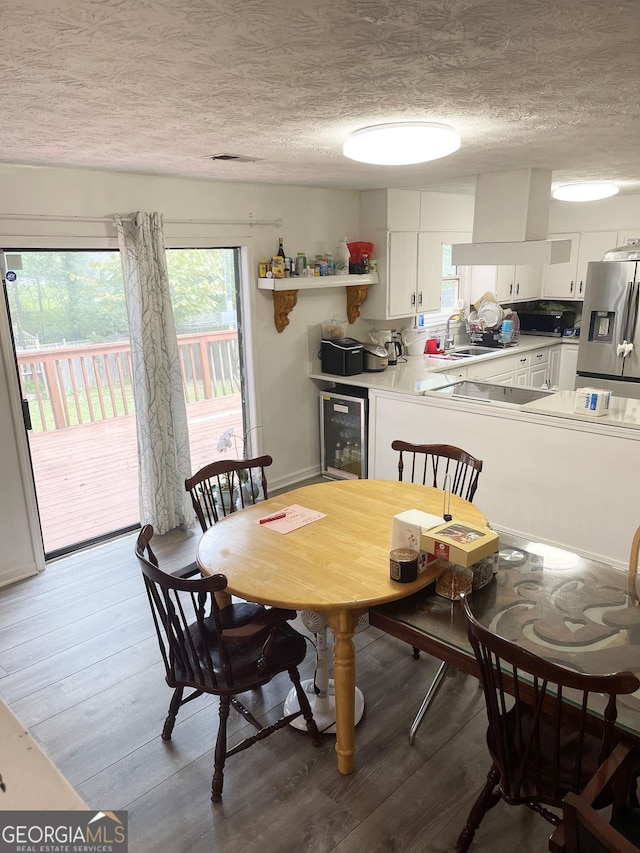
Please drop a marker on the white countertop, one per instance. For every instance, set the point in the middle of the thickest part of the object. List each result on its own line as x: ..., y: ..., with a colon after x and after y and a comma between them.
x: 31, y: 779
x: 420, y: 373
x: 622, y: 411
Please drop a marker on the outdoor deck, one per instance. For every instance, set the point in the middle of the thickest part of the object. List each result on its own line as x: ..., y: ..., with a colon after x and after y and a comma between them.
x: 87, y: 475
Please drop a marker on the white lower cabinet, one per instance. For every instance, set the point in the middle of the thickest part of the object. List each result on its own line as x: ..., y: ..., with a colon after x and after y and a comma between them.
x: 568, y: 365
x: 496, y: 367
x: 533, y: 369
x: 553, y: 371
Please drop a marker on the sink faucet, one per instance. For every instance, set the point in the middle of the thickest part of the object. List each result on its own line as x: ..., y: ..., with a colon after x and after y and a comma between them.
x: 448, y: 340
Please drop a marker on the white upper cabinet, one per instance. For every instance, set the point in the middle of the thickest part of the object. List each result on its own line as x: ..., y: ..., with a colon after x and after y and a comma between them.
x: 402, y: 274
x: 518, y: 282
x: 409, y: 254
x: 507, y: 283
x: 567, y: 281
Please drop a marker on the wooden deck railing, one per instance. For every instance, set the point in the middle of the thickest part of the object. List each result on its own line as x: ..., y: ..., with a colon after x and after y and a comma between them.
x: 67, y: 386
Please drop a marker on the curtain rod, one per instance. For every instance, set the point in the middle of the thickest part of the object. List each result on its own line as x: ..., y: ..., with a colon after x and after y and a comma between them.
x: 276, y: 223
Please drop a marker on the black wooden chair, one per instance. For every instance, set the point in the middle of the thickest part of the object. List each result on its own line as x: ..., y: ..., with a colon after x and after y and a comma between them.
x: 233, y: 650
x: 221, y: 487
x: 542, y: 739
x: 441, y: 466
x: 585, y: 830
x: 430, y: 464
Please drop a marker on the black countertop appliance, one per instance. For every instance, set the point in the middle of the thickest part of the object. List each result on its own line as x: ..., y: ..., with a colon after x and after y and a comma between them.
x: 341, y: 356
x: 549, y: 323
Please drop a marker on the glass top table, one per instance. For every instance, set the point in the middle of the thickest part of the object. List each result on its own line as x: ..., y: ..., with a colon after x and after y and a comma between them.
x: 575, y: 612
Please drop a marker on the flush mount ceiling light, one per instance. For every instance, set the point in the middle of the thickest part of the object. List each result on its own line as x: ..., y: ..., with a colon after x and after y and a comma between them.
x: 401, y: 143
x: 585, y: 192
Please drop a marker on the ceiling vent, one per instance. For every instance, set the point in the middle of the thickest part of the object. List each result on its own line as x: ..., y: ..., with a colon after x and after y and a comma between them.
x: 238, y: 158
x: 511, y: 220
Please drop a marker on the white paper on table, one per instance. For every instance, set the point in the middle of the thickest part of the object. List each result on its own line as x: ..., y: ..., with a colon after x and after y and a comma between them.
x: 296, y: 516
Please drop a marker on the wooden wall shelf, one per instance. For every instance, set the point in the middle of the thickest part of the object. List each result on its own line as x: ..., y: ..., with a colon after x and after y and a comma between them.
x: 285, y: 293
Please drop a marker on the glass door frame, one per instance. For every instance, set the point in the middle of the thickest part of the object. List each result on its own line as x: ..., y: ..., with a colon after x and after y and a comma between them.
x: 246, y: 310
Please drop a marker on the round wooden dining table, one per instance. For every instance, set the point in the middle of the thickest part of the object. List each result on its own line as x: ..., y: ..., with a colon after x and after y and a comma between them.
x: 337, y: 565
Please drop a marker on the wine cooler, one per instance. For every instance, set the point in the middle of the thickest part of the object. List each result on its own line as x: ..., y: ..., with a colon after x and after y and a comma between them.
x: 343, y: 434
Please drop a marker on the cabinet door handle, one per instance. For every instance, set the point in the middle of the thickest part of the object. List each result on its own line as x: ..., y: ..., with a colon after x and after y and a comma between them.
x: 581, y: 283
x: 517, y: 288
x: 420, y: 299
x: 523, y: 361
x: 510, y: 288
x: 413, y: 300
x: 571, y: 288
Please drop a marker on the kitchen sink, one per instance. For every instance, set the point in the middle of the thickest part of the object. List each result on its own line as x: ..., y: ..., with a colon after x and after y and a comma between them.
x: 463, y: 352
x: 469, y: 352
x: 488, y: 392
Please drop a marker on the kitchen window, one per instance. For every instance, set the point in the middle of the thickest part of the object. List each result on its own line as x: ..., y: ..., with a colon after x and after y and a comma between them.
x: 450, y: 289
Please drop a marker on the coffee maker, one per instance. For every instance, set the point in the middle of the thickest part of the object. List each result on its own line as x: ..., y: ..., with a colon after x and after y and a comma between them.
x: 392, y: 342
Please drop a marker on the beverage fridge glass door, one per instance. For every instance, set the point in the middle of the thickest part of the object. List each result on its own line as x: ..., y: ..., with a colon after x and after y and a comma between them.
x: 610, y: 286
x: 343, y: 436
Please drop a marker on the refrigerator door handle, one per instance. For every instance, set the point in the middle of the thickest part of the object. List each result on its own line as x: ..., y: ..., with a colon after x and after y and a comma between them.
x: 633, y: 325
x: 625, y: 326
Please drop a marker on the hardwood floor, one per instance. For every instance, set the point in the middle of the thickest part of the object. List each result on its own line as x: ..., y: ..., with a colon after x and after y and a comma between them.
x: 80, y: 666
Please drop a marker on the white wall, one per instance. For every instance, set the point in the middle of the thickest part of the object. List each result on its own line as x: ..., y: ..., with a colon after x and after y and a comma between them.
x: 314, y: 220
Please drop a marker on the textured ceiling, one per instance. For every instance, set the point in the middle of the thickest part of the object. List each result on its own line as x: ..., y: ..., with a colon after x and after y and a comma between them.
x: 157, y: 86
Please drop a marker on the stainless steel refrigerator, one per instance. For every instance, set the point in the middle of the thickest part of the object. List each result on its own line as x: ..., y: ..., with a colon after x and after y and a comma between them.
x: 609, y: 349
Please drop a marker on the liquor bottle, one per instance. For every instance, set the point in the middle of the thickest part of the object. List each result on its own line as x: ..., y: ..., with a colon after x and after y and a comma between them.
x: 281, y: 248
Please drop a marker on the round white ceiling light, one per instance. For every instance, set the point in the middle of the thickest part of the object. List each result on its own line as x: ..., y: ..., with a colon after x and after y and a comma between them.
x: 401, y: 143
x: 590, y: 191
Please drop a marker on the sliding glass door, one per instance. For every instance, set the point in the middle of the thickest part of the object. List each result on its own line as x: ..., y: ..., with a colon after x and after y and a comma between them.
x: 68, y: 317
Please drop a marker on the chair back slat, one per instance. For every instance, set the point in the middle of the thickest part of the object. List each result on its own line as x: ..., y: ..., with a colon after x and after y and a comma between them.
x: 431, y: 464
x: 542, y: 738
x: 221, y: 487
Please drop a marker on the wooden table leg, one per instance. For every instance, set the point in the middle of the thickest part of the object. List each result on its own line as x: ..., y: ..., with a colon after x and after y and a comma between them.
x: 343, y: 623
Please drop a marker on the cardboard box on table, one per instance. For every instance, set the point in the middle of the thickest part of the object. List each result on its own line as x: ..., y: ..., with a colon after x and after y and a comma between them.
x: 460, y: 543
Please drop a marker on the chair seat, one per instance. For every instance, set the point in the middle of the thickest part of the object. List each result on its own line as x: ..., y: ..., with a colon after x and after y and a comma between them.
x: 237, y: 615
x: 288, y: 650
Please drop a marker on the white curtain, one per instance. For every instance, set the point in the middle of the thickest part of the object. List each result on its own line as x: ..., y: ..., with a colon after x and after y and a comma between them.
x: 161, y: 416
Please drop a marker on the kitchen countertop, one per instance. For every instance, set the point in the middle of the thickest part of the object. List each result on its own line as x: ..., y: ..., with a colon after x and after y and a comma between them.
x: 31, y: 779
x: 422, y: 373
x: 623, y: 412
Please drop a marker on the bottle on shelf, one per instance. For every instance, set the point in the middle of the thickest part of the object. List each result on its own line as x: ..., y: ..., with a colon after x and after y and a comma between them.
x: 343, y: 257
x: 280, y: 251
